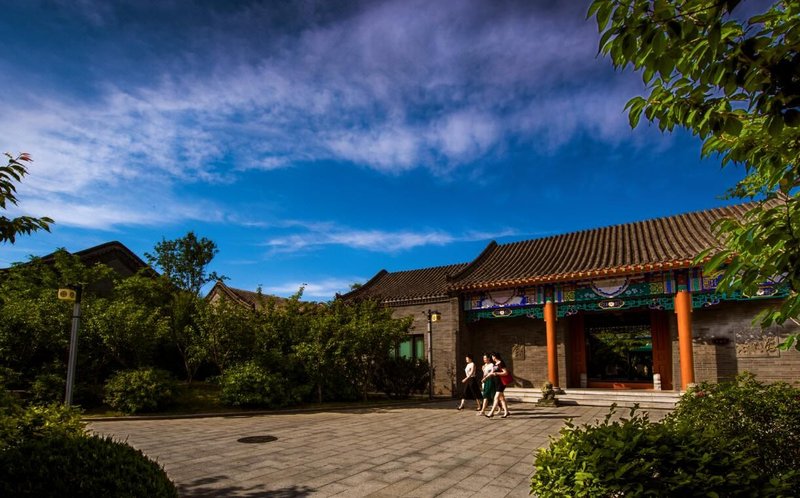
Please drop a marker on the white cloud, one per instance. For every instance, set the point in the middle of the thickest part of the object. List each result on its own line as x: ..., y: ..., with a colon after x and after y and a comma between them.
x: 317, y: 235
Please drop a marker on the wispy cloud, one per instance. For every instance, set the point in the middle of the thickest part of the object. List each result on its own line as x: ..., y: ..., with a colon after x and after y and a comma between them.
x: 323, y: 289
x: 392, y: 86
x: 323, y: 234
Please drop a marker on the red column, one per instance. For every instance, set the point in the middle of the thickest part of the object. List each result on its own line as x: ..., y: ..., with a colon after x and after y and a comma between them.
x: 683, y: 308
x: 552, y: 344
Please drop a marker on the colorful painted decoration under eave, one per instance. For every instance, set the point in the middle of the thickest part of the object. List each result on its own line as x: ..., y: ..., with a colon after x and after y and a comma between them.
x: 636, y: 286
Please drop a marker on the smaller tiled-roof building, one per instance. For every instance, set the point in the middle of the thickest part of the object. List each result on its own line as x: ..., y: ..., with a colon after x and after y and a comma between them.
x: 248, y: 299
x: 113, y: 254
x: 621, y: 307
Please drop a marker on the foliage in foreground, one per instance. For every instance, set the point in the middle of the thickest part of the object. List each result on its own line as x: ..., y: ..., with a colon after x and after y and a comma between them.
x: 762, y: 419
x: 142, y: 390
x: 10, y: 174
x: 45, y: 451
x: 636, y: 457
x: 734, y: 83
x: 19, y: 424
x: 732, y: 439
x: 87, y: 466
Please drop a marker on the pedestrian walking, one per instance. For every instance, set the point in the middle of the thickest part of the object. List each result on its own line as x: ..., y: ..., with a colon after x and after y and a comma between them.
x: 470, y: 389
x: 502, y: 376
x: 488, y: 387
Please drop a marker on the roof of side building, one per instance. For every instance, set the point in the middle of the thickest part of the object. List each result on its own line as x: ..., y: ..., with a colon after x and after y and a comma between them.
x: 407, y: 286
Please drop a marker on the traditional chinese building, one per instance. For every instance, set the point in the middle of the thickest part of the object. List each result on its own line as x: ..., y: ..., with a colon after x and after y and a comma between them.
x: 619, y: 307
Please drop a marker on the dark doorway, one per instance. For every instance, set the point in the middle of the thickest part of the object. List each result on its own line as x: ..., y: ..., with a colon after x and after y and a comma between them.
x: 619, y: 349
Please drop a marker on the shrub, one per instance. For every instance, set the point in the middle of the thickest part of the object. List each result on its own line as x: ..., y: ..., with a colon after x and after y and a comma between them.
x: 145, y: 389
x: 86, y: 466
x: 48, y: 388
x: 250, y: 385
x: 399, y: 377
x: 635, y: 457
x: 761, y: 417
x: 19, y: 424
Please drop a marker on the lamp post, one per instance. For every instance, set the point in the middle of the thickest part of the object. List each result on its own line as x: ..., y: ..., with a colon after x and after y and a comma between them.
x: 433, y: 316
x: 73, y: 293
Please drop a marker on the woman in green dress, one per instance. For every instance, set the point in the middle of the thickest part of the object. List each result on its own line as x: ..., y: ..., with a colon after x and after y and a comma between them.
x: 488, y: 383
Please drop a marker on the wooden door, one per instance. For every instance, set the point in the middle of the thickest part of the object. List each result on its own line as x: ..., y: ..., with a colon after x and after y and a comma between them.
x: 577, y: 349
x: 662, y: 348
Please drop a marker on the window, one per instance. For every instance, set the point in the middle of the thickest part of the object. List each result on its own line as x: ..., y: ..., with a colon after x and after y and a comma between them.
x: 413, y: 347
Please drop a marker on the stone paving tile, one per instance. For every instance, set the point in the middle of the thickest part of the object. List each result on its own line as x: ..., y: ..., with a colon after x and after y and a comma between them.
x: 424, y: 450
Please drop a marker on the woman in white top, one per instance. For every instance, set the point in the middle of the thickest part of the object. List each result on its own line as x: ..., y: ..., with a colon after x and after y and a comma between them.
x: 471, y: 390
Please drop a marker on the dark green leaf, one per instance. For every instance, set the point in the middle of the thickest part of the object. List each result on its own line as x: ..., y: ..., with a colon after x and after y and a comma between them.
x: 733, y: 126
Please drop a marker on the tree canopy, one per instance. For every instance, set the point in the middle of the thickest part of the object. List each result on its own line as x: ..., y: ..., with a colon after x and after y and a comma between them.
x: 185, y: 261
x: 9, y: 175
x: 734, y: 83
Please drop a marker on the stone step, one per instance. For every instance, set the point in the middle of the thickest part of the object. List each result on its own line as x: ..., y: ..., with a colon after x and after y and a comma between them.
x: 601, y: 397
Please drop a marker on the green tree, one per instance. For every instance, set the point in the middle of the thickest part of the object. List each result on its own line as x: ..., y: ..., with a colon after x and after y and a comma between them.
x: 227, y: 332
x: 323, y: 352
x: 280, y: 324
x: 184, y: 261
x: 34, y: 325
x: 184, y: 264
x: 367, y: 334
x: 127, y: 324
x: 735, y: 84
x: 9, y: 175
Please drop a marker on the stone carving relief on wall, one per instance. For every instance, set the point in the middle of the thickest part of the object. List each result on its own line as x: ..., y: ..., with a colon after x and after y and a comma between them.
x: 518, y: 350
x: 752, y: 342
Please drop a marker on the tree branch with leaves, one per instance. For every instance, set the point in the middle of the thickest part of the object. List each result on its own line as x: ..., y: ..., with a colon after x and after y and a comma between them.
x: 735, y: 84
x: 10, y: 174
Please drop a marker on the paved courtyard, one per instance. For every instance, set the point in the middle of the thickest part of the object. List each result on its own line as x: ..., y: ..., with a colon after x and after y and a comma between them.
x: 417, y: 450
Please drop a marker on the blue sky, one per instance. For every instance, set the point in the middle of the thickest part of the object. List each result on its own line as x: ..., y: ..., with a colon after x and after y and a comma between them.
x: 318, y: 142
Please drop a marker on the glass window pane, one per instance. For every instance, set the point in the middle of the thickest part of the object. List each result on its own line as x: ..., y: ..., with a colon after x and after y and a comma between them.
x: 405, y: 349
x: 419, y: 347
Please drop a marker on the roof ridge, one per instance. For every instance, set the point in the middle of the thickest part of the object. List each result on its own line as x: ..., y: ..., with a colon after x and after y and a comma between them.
x: 475, y: 263
x: 426, y: 268
x: 749, y: 205
x: 369, y: 283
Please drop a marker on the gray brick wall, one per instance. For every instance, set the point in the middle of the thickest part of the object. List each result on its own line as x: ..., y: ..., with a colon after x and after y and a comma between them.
x: 444, y: 332
x: 726, y: 342
x: 522, y: 342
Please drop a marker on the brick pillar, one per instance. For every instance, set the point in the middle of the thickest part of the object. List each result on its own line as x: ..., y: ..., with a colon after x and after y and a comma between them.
x: 552, y: 344
x: 683, y: 308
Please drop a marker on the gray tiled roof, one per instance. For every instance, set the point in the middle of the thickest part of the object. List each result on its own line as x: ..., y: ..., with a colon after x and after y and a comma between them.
x: 658, y: 244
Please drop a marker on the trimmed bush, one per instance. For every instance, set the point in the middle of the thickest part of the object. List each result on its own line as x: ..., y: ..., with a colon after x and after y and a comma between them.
x: 86, y: 466
x: 399, y: 377
x: 250, y: 385
x: 142, y: 390
x: 635, y: 457
x: 763, y: 419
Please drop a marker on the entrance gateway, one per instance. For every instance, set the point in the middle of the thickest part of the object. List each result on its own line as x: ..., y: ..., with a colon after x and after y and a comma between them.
x: 618, y: 330
x: 607, y: 308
